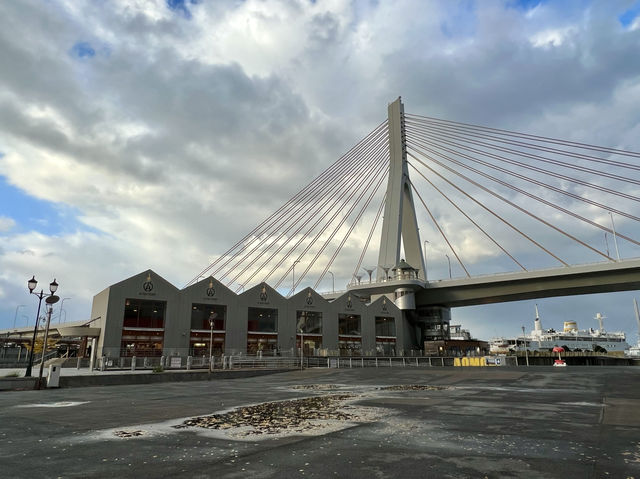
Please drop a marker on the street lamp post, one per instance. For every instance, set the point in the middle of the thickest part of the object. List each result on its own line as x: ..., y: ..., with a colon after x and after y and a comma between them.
x: 51, y: 300
x: 210, y: 342
x: 303, y: 321
x: 15, y: 317
x: 333, y: 282
x: 301, y: 349
x: 32, y: 283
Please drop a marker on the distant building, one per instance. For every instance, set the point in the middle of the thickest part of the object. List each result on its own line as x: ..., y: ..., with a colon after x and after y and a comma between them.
x: 459, y: 343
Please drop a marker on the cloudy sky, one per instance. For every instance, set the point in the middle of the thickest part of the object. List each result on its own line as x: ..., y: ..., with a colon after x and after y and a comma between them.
x: 141, y: 134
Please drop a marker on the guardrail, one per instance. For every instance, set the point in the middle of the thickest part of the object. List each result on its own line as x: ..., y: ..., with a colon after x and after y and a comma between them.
x: 282, y: 362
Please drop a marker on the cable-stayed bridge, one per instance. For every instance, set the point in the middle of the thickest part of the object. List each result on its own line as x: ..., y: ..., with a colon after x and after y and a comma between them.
x: 517, y: 201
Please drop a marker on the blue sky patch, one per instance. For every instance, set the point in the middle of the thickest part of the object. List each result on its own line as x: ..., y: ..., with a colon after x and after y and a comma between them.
x: 630, y: 15
x: 461, y: 22
x: 83, y: 50
x: 33, y: 214
x: 181, y: 6
x: 524, y: 4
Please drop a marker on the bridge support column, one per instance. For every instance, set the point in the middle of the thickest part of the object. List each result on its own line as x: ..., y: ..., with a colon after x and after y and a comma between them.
x: 399, y: 223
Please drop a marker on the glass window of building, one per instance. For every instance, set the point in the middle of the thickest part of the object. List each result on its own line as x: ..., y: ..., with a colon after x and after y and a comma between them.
x: 349, y: 324
x: 310, y: 322
x: 142, y: 327
x: 263, y: 320
x: 385, y: 326
x: 201, y: 314
x: 143, y: 313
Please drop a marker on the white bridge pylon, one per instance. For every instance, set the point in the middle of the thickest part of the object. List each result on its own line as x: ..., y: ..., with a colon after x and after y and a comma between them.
x: 399, y: 225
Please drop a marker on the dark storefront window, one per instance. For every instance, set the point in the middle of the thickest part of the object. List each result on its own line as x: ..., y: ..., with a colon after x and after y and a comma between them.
x: 385, y: 326
x: 142, y: 313
x: 263, y: 320
x: 143, y: 327
x: 309, y: 321
x: 349, y: 324
x: 202, y: 313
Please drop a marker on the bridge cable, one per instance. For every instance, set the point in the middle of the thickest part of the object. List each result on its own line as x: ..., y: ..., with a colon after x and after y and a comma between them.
x: 313, y: 208
x: 354, y: 223
x: 371, y: 231
x: 350, y: 193
x: 435, y: 222
x: 293, y: 213
x: 319, y: 179
x: 537, y: 198
x: 540, y: 183
x: 466, y: 215
x: 343, y: 186
x: 440, y: 133
x: 508, y: 133
x: 497, y: 195
x: 372, y: 178
x: 490, y: 192
x: 524, y: 235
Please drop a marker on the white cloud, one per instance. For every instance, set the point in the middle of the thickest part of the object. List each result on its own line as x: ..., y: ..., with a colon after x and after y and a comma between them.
x: 552, y: 38
x: 6, y: 224
x: 180, y: 135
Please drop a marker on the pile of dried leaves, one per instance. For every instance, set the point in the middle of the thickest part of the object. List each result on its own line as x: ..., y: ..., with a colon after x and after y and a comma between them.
x: 274, y: 417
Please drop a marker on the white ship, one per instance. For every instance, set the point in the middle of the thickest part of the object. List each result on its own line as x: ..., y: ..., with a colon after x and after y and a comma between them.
x: 634, y: 351
x: 571, y: 338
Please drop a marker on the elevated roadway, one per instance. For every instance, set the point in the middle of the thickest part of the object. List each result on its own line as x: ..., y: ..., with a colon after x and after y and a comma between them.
x: 623, y: 275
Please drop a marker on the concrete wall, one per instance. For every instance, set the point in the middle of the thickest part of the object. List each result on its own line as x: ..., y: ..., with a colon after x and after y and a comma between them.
x: 99, y: 309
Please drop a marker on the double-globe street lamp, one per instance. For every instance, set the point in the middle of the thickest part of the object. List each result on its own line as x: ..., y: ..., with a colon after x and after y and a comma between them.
x: 51, y: 300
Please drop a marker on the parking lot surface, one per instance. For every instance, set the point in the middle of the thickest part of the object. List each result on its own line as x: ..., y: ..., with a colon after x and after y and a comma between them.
x: 434, y: 422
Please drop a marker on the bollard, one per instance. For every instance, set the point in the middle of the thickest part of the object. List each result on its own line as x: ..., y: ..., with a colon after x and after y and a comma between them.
x: 162, y: 360
x: 361, y: 362
x: 103, y: 363
x: 78, y: 363
x: 189, y: 360
x: 403, y: 363
x: 350, y: 363
x: 133, y: 363
x: 376, y: 362
x: 390, y: 365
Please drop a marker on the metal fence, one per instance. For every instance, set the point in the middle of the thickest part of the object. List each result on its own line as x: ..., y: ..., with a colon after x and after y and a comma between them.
x: 269, y: 362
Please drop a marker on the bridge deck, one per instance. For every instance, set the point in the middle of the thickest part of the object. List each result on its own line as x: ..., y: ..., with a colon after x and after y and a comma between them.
x: 607, y: 277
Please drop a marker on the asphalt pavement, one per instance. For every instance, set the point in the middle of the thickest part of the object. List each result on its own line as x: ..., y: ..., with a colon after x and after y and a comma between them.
x: 537, y: 422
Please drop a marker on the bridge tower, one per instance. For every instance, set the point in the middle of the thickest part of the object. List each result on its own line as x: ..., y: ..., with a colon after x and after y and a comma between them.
x: 400, y: 227
x: 399, y: 224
